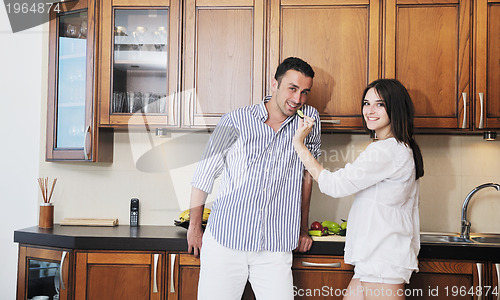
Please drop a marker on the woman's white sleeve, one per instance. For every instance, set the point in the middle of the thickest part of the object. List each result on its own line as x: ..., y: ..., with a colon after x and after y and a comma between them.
x: 372, y: 166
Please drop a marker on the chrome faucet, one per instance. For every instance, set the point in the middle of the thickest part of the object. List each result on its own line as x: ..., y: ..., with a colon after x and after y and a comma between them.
x: 465, y: 230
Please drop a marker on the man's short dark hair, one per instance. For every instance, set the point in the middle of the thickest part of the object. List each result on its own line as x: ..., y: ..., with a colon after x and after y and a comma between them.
x: 293, y: 63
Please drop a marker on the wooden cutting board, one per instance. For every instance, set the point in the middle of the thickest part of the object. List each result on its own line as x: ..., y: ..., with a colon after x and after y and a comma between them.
x: 89, y: 222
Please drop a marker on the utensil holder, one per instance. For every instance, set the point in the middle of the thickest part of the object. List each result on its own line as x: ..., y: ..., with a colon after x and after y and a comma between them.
x: 46, y: 218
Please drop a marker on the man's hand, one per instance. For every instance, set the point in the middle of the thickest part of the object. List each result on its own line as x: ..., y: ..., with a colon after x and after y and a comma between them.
x: 305, y: 242
x: 194, y: 239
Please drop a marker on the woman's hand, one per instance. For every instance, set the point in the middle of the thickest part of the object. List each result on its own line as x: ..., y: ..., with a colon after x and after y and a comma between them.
x: 310, y: 163
x: 305, y: 127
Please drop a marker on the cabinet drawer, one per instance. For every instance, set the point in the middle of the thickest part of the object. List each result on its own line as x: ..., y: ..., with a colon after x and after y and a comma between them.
x: 320, y: 263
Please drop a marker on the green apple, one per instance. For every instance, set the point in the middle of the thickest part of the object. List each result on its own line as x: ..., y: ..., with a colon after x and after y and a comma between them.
x: 343, y: 225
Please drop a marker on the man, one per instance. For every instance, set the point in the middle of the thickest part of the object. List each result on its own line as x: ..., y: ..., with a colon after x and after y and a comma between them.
x: 261, y: 210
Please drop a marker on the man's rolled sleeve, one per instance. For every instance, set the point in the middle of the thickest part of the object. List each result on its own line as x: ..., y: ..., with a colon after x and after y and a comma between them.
x: 313, y: 140
x: 212, y: 162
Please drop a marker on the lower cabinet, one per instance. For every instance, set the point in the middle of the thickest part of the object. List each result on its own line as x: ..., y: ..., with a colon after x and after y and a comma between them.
x: 67, y: 274
x: 44, y: 272
x: 320, y: 277
x: 493, y: 284
x: 448, y: 279
x: 119, y: 275
x: 184, y: 270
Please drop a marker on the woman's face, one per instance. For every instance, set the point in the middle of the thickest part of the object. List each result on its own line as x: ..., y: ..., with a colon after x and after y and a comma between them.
x: 375, y: 114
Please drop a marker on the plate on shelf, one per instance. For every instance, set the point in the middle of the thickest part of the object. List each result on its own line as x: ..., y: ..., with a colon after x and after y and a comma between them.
x: 185, y: 224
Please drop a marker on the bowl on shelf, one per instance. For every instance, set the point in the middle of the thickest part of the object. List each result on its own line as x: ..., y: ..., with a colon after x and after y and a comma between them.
x: 185, y: 224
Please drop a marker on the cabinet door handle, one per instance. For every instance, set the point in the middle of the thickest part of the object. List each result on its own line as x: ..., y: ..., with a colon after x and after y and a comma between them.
x: 155, y: 282
x: 63, y: 257
x: 464, y: 98
x: 85, y: 150
x: 311, y: 264
x: 498, y: 279
x: 480, y: 275
x: 481, y: 104
x: 172, y: 265
x: 331, y: 121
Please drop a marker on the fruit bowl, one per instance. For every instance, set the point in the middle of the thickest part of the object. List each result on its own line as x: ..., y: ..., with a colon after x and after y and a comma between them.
x: 185, y: 224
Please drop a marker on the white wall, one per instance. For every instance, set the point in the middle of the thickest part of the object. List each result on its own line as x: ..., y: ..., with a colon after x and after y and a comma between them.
x: 21, y: 74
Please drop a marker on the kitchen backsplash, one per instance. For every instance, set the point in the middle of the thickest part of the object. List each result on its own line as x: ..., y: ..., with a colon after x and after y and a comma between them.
x: 158, y: 171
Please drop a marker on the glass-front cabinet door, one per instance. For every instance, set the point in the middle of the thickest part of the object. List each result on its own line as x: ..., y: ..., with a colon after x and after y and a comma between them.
x: 44, y: 272
x: 139, y: 63
x: 71, y: 130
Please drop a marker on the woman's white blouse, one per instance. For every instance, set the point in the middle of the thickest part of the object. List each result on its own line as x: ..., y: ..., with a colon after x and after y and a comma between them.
x: 383, y: 223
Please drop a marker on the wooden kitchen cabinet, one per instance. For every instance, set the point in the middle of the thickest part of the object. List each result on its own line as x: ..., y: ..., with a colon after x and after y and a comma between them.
x: 119, y: 275
x: 44, y: 271
x: 427, y: 46
x: 223, y: 58
x: 493, y: 292
x: 184, y: 271
x: 72, y: 131
x: 447, y: 279
x: 487, y: 66
x: 340, y: 40
x: 139, y: 63
x: 323, y: 277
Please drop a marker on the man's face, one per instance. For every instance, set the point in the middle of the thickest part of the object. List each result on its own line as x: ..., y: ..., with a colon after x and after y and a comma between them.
x: 291, y: 93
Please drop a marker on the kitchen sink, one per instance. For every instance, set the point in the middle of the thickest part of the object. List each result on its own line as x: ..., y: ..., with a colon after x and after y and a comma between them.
x: 441, y: 238
x: 486, y: 238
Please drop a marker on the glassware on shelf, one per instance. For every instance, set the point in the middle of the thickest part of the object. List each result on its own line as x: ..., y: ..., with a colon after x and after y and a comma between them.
x: 160, y: 38
x: 71, y: 31
x: 83, y: 29
x: 120, y: 36
x: 139, y: 34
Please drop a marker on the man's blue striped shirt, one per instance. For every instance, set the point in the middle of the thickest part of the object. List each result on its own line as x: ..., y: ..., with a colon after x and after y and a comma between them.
x: 258, y: 205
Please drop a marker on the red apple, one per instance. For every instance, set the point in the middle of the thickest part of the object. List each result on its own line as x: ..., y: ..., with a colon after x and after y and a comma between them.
x: 316, y: 226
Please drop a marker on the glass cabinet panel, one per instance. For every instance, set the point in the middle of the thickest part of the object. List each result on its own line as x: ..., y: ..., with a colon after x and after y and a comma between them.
x: 72, y: 132
x: 140, y: 54
x: 43, y: 279
x: 140, y: 61
x: 71, y: 83
x: 44, y: 272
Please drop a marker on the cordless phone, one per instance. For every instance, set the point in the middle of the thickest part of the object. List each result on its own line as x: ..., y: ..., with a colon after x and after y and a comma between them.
x: 134, y: 212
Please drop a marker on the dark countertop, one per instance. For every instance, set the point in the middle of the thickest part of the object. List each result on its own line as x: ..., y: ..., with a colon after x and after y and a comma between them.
x: 171, y: 238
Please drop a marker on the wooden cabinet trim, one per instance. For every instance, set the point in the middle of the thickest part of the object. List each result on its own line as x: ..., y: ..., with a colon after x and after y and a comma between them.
x: 143, y: 3
x: 189, y: 260
x: 420, y: 2
x: 229, y: 3
x: 447, y: 267
x: 119, y: 258
x: 323, y: 2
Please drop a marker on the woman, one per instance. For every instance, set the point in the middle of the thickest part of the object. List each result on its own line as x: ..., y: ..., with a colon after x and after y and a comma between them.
x: 383, y: 238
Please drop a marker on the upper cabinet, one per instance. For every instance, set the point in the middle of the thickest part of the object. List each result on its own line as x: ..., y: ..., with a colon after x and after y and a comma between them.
x: 139, y: 63
x: 340, y: 40
x: 427, y: 46
x: 182, y: 64
x: 223, y: 58
x: 487, y: 64
x: 72, y: 131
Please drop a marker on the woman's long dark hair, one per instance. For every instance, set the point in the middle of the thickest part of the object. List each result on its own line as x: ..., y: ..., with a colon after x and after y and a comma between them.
x: 401, y: 112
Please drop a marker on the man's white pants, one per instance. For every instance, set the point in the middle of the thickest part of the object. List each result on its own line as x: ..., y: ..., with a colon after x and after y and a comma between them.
x: 224, y: 272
